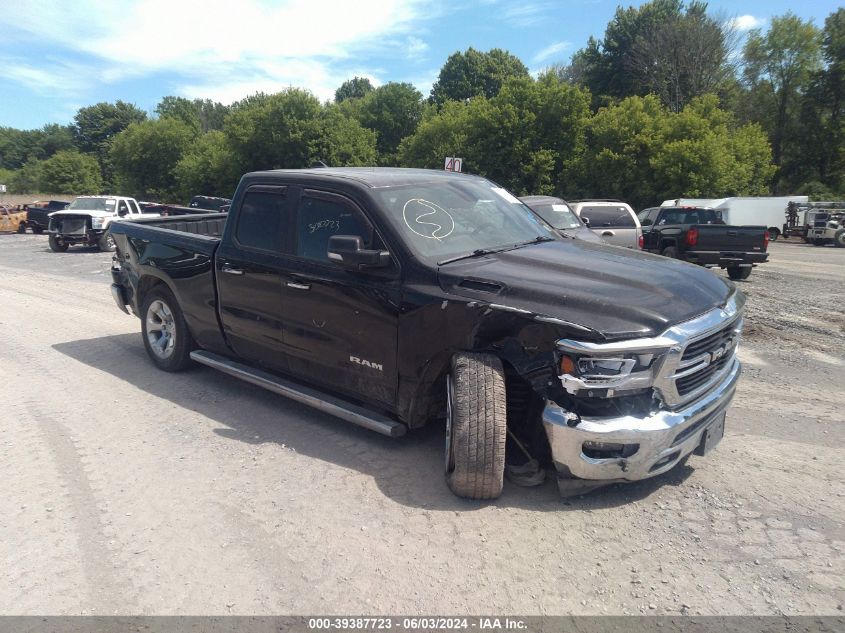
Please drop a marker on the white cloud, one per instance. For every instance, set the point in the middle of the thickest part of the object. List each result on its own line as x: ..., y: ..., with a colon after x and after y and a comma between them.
x: 219, y: 46
x: 415, y: 47
x: 524, y: 14
x: 745, y: 22
x: 550, y: 51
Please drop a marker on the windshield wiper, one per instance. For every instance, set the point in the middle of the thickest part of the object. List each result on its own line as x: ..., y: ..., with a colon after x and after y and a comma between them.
x: 489, y: 251
x: 478, y: 252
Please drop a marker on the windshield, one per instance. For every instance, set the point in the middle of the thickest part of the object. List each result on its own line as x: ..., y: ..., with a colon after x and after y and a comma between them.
x: 94, y: 204
x: 443, y: 220
x: 559, y: 216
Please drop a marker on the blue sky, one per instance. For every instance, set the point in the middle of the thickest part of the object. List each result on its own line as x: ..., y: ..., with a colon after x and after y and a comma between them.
x: 58, y: 55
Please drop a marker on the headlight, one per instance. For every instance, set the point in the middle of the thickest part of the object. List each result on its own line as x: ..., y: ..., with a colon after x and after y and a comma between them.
x: 96, y: 223
x: 604, y: 376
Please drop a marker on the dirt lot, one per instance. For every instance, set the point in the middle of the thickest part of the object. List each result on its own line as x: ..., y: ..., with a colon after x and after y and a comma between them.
x: 127, y: 490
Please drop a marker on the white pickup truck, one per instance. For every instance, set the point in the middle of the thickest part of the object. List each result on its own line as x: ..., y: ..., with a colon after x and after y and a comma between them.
x: 86, y: 221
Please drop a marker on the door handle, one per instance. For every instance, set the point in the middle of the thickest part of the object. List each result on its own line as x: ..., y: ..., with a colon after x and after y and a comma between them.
x: 226, y: 268
x: 296, y: 286
x: 608, y: 233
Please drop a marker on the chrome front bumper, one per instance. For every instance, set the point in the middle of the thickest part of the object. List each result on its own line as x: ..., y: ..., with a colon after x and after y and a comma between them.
x: 663, y: 438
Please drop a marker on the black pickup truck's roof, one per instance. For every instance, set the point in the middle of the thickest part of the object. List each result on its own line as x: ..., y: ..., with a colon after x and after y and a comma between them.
x: 370, y: 176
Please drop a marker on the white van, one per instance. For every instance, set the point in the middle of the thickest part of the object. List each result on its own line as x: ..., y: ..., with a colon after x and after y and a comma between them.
x: 746, y: 211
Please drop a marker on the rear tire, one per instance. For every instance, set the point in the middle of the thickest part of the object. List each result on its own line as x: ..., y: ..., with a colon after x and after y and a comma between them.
x: 37, y: 229
x: 839, y: 239
x: 22, y: 227
x: 476, y: 426
x: 670, y: 251
x: 165, y: 332
x: 774, y: 234
x: 57, y: 245
x: 818, y: 242
x: 737, y: 273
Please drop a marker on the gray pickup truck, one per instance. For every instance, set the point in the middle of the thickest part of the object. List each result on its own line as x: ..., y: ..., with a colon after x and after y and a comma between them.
x: 393, y: 297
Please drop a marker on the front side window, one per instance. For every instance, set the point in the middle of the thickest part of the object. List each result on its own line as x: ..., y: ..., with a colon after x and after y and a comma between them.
x: 318, y: 219
x: 449, y: 218
x: 262, y: 221
x: 608, y: 216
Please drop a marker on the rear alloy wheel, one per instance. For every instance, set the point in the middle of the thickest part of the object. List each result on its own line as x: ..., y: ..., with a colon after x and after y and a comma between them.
x: 839, y: 239
x: 165, y: 332
x: 739, y: 272
x: 57, y: 244
x: 476, y: 426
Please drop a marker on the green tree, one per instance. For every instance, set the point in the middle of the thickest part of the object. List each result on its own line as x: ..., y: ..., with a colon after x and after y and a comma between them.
x: 474, y: 73
x: 292, y: 129
x: 441, y: 133
x: 145, y: 156
x: 70, y: 172
x: 393, y: 112
x: 207, y: 167
x: 95, y: 126
x: 604, y: 66
x: 354, y: 88
x: 821, y: 138
x: 643, y: 153
x: 778, y: 67
x: 27, y: 179
x: 529, y: 137
x: 203, y: 115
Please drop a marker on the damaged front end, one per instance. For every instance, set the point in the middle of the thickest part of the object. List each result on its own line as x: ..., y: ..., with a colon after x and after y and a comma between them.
x: 633, y: 409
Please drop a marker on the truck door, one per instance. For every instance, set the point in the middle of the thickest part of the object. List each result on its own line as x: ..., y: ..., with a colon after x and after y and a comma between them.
x: 249, y: 266
x: 651, y: 238
x: 340, y: 326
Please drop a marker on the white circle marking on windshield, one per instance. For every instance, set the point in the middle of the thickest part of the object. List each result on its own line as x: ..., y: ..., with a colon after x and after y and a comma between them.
x: 428, y: 220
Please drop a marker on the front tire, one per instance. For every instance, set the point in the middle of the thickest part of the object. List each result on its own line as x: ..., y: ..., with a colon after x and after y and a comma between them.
x: 57, y: 244
x: 476, y: 426
x: 106, y: 242
x: 738, y: 273
x: 839, y: 239
x: 165, y: 332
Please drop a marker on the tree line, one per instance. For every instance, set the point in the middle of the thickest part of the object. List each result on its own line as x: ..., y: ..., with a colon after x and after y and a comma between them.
x: 664, y: 105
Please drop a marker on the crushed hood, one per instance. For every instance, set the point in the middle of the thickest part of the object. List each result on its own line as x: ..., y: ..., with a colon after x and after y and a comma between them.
x: 616, y: 291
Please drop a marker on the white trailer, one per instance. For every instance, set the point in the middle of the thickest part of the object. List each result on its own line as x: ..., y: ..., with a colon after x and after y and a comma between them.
x: 743, y: 211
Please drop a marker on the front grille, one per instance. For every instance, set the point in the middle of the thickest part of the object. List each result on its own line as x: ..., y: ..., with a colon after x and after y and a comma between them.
x: 690, y: 383
x: 708, y: 343
x: 714, y: 352
x: 71, y: 226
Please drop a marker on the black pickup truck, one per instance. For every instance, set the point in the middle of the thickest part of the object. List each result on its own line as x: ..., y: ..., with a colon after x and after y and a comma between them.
x: 698, y: 235
x: 38, y: 214
x: 392, y: 297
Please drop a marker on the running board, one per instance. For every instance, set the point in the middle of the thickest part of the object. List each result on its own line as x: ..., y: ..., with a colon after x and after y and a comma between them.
x: 305, y: 395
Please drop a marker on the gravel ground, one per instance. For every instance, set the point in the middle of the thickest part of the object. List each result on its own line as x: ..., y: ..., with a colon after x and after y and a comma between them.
x: 126, y: 490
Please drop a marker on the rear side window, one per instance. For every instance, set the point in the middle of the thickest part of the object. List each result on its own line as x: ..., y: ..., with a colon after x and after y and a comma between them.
x: 262, y: 221
x: 615, y: 217
x: 318, y: 219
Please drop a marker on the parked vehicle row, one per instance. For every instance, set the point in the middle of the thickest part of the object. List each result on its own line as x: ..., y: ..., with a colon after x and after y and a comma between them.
x: 392, y: 297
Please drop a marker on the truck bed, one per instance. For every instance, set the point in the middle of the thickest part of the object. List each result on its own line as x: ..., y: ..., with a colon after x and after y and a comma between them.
x: 179, y: 250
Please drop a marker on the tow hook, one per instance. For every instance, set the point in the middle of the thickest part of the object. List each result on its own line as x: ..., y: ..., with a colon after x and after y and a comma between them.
x: 623, y: 465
